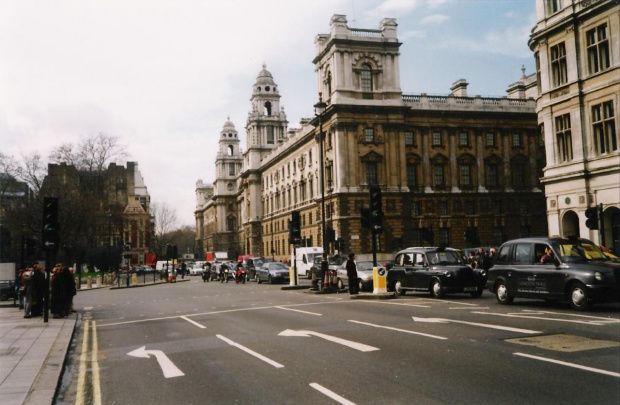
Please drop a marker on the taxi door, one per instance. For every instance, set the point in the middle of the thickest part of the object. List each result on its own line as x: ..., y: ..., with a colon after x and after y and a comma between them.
x: 549, y: 277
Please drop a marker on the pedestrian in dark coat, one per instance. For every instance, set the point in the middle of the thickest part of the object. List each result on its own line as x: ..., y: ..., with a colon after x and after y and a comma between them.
x: 69, y: 289
x: 352, y: 274
x: 38, y: 290
x: 57, y: 302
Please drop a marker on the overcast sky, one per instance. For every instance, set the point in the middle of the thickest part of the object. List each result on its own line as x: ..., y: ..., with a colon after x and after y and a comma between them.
x: 163, y: 76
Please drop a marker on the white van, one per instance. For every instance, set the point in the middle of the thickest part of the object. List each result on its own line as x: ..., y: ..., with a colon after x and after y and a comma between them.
x: 305, y: 258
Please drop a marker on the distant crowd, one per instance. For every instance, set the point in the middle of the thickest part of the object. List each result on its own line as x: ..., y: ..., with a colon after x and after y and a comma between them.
x: 32, y: 295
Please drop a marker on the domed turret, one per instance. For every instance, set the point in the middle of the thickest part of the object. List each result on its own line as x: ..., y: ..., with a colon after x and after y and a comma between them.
x: 264, y: 83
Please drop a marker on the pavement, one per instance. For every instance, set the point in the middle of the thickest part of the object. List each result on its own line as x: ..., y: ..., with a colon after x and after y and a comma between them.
x: 32, y: 355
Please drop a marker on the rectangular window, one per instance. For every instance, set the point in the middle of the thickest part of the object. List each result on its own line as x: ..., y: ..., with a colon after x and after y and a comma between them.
x: 518, y: 176
x: 598, y: 49
x: 409, y: 140
x: 438, y: 174
x: 442, y: 207
x: 559, y: 70
x: 492, y: 176
x: 563, y: 138
x: 604, y: 128
x: 470, y: 208
x: 412, y: 180
x: 369, y: 134
x: 371, y: 173
x: 415, y: 209
x: 437, y: 141
x: 497, y: 207
x: 523, y: 208
x: 270, y: 134
x: 516, y: 140
x: 553, y: 6
x: 490, y: 139
x: 231, y: 169
x: 444, y: 236
x: 463, y: 139
x: 538, y: 75
x: 465, y: 175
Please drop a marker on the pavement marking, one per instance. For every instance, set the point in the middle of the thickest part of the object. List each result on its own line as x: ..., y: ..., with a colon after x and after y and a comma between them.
x: 251, y: 352
x: 395, y: 303
x: 306, y: 333
x: 299, y: 310
x: 79, y: 399
x: 482, y: 325
x: 194, y: 322
x: 468, y: 308
x: 169, y: 369
x: 95, y: 367
x: 563, y: 363
x: 399, y: 330
x: 597, y: 318
x: 543, y: 318
x: 331, y: 394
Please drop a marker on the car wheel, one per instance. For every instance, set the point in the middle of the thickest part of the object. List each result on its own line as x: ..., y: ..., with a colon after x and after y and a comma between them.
x: 501, y: 293
x: 436, y: 288
x: 258, y: 281
x: 398, y: 288
x: 477, y: 293
x: 340, y: 284
x: 579, y: 297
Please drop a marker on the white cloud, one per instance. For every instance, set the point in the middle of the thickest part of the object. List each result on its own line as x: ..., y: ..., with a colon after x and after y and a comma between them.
x: 434, y: 19
x: 411, y: 34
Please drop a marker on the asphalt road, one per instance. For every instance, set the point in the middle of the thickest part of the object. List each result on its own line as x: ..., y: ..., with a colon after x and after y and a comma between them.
x: 212, y: 343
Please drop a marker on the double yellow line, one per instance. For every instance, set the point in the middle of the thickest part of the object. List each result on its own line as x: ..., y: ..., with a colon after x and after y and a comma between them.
x: 82, y: 391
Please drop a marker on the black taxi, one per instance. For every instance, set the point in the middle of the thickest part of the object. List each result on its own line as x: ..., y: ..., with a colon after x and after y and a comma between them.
x: 555, y: 269
x: 434, y: 270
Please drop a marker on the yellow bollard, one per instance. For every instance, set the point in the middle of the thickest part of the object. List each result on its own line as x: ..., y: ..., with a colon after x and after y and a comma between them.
x: 379, y: 280
x: 134, y: 278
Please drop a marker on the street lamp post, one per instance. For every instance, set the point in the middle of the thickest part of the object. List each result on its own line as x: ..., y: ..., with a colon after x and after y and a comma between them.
x: 319, y: 109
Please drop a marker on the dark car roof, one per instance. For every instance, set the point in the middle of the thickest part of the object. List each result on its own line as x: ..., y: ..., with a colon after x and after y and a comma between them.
x: 547, y: 239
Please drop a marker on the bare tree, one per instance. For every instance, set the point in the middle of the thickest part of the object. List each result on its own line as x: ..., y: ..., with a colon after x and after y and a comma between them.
x: 165, y: 221
x: 93, y: 153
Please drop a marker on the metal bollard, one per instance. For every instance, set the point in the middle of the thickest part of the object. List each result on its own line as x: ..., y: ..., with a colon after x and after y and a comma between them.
x: 98, y: 282
x: 89, y: 282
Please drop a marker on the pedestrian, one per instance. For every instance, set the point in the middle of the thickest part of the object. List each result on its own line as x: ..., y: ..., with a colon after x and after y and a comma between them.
x: 69, y: 289
x: 58, y: 293
x: 38, y: 290
x: 352, y: 274
x: 27, y: 293
x: 472, y: 260
x: 19, y: 286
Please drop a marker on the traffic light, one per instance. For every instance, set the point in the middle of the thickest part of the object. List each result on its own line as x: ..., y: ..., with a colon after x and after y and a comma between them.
x: 366, y: 222
x: 376, y: 209
x: 295, y: 228
x: 592, y: 215
x: 50, y: 224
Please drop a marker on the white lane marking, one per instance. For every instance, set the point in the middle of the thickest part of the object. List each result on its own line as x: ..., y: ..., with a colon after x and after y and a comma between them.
x: 392, y: 303
x: 249, y: 351
x: 95, y: 367
x: 542, y: 318
x: 468, y: 308
x: 597, y: 318
x: 167, y: 366
x: 563, y: 363
x: 482, y: 325
x: 79, y: 400
x: 194, y: 322
x: 399, y: 330
x: 448, y: 302
x: 88, y: 308
x: 349, y: 343
x: 331, y: 394
x: 299, y: 310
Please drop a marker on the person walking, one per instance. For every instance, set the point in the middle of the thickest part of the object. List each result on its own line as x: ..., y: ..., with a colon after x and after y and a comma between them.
x: 38, y: 290
x: 58, y: 294
x: 27, y: 292
x: 352, y: 274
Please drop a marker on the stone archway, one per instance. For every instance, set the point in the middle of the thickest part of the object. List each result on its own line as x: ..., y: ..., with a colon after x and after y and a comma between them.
x: 570, y: 224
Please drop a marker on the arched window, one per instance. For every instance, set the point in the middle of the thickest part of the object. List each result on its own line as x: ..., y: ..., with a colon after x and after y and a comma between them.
x: 268, y: 108
x: 231, y: 149
x: 366, y: 78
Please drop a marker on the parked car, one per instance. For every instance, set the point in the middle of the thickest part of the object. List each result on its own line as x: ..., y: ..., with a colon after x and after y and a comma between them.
x: 142, y: 268
x: 196, y: 270
x: 435, y: 270
x: 364, y: 274
x: 272, y: 272
x: 7, y: 290
x: 575, y: 271
x: 334, y: 262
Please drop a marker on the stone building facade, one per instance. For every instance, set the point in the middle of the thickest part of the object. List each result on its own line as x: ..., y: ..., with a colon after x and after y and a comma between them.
x: 576, y: 45
x: 452, y: 163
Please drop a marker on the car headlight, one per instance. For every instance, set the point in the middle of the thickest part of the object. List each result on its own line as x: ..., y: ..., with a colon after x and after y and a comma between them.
x: 599, y: 276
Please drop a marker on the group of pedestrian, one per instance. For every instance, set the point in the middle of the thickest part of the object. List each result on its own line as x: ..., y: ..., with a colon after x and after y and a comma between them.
x: 483, y: 259
x: 32, y: 291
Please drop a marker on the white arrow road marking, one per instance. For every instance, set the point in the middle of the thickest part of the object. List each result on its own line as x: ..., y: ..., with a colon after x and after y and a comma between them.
x: 563, y: 363
x: 331, y: 394
x: 306, y: 333
x: 598, y: 322
x: 482, y: 325
x: 249, y: 351
x: 194, y: 322
x: 399, y: 330
x: 299, y: 310
x: 167, y: 366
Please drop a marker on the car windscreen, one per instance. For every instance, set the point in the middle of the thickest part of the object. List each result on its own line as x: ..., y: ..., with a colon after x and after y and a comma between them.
x: 278, y: 266
x: 364, y: 266
x: 574, y: 251
x: 444, y: 257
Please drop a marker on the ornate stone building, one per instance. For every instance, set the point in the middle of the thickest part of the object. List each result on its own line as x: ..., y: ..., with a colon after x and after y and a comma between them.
x: 451, y: 162
x: 577, y: 49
